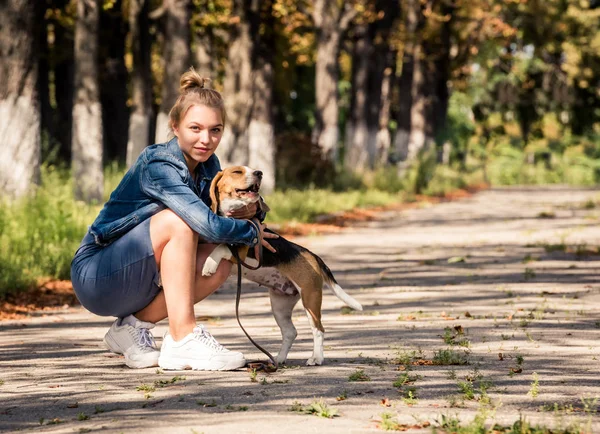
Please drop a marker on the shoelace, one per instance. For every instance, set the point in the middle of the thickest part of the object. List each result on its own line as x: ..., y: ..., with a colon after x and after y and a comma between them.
x: 201, y: 334
x: 144, y: 339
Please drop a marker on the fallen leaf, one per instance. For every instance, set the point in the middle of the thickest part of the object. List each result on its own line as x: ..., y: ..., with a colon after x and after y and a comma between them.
x: 386, y: 402
x: 500, y: 356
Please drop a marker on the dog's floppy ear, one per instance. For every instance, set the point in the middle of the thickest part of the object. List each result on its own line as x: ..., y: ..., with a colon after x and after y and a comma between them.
x: 262, y: 205
x: 214, y: 192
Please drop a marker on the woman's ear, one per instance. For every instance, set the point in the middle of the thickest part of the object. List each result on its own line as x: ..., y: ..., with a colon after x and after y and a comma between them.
x: 214, y: 192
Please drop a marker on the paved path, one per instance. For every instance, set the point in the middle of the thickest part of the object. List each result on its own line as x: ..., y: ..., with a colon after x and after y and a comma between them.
x: 509, y: 268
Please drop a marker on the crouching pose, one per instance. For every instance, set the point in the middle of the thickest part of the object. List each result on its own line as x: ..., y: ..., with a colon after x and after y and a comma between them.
x: 141, y: 260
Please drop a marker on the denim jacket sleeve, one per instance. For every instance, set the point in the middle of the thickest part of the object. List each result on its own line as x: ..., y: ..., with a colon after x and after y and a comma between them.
x: 164, y: 179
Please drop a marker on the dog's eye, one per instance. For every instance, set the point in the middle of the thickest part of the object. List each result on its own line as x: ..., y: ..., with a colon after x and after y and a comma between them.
x: 238, y: 172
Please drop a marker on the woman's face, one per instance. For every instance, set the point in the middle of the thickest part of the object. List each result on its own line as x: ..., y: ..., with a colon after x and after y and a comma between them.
x: 199, y: 134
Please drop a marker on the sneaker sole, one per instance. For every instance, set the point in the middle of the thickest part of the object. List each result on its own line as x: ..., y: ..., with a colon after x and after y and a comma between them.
x: 200, y: 365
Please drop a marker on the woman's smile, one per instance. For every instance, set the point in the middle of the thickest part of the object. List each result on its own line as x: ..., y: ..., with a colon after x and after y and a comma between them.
x: 199, y: 134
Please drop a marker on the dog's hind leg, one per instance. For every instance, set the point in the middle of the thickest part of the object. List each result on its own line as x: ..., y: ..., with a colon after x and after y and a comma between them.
x: 312, y: 305
x: 282, y: 307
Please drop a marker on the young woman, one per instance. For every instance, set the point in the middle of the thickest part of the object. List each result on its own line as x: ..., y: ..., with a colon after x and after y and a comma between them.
x: 142, y: 258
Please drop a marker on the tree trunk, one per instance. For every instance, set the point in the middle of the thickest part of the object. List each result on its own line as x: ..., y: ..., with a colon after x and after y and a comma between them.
x: 113, y: 78
x: 64, y: 71
x: 261, y: 136
x: 357, y: 152
x: 412, y: 24
x: 331, y: 19
x: 141, y: 80
x: 176, y: 58
x: 372, y: 60
x: 19, y: 101
x: 385, y: 57
x: 238, y: 86
x: 442, y: 74
x: 87, y: 110
x: 48, y: 125
x: 384, y: 138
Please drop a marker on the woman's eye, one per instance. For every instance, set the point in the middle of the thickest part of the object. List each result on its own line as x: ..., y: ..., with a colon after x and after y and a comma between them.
x: 216, y: 130
x: 195, y: 128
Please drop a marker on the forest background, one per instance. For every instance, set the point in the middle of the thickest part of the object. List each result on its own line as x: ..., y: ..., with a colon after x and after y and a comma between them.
x: 341, y: 103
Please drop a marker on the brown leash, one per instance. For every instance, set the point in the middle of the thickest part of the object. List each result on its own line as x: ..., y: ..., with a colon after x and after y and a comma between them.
x: 254, y: 365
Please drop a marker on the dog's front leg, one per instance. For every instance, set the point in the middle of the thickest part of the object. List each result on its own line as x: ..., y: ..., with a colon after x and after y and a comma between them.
x: 212, y: 262
x: 282, y: 307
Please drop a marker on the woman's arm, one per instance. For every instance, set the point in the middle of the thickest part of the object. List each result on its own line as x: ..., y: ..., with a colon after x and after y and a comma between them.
x: 164, y: 179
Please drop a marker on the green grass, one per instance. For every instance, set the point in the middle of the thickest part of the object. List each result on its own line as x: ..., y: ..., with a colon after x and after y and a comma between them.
x: 303, y: 206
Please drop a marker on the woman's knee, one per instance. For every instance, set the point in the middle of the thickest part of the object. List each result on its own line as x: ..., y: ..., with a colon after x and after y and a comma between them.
x: 167, y: 223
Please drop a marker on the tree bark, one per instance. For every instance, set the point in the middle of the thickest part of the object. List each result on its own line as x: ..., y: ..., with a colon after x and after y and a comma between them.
x: 114, y: 78
x: 412, y: 24
x: 331, y: 19
x: 372, y: 60
x: 87, y: 110
x: 238, y: 86
x: 385, y: 57
x: 19, y: 101
x: 261, y: 135
x: 64, y: 71
x: 357, y: 152
x: 176, y: 58
x: 141, y: 80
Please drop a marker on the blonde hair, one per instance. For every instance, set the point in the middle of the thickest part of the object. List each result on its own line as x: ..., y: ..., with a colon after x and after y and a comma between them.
x: 192, y: 92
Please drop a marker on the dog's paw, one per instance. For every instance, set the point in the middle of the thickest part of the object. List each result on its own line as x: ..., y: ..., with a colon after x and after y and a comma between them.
x: 315, y: 361
x: 210, y: 267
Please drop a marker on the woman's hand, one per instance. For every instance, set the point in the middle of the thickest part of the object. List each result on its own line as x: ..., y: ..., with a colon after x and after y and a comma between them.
x: 265, y: 235
x: 246, y: 212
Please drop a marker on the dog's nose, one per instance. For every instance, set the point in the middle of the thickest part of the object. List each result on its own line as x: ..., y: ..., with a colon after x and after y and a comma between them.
x: 258, y: 173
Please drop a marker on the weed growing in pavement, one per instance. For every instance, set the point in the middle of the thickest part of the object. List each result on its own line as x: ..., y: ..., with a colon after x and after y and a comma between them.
x: 528, y: 274
x: 253, y: 375
x: 405, y: 357
x: 590, y: 405
x: 359, y: 375
x: 449, y: 357
x: 206, y: 404
x: 456, y: 336
x: 405, y: 378
x: 82, y: 416
x: 317, y: 408
x: 410, y: 396
x: 534, y: 391
x: 238, y: 408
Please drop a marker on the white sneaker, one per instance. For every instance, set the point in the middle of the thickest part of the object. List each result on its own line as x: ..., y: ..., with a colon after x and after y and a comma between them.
x: 135, y: 342
x: 199, y: 351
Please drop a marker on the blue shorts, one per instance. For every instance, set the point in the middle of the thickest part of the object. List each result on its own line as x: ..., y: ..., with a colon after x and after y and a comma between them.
x: 119, y: 279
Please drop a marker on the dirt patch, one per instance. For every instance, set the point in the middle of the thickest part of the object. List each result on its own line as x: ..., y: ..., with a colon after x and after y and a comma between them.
x: 49, y: 296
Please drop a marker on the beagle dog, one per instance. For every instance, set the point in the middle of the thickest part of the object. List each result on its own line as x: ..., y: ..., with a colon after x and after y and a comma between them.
x: 239, y: 186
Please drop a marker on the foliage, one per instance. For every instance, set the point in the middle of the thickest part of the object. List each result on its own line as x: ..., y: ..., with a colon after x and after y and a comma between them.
x: 40, y: 233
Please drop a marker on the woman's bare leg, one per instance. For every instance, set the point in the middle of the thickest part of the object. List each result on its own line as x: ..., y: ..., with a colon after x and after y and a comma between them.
x: 180, y: 259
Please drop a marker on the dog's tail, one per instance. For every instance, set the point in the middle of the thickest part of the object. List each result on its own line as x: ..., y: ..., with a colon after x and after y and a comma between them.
x: 337, y: 289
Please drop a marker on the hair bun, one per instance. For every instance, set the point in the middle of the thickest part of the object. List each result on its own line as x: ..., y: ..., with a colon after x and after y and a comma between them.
x: 192, y: 80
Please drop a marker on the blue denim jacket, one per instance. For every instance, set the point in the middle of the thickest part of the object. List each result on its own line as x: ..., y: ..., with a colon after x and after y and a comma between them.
x: 160, y: 179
